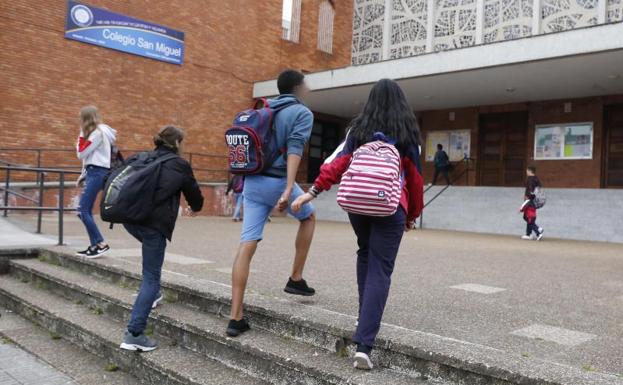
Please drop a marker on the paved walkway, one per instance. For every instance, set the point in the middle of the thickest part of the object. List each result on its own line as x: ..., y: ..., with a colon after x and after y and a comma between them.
x: 557, y: 300
x: 20, y: 368
x: 8, y: 238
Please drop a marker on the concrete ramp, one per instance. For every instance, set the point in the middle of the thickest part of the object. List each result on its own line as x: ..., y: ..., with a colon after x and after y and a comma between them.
x: 581, y: 214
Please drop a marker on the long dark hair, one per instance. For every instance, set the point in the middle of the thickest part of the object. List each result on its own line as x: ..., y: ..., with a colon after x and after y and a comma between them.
x: 387, y: 111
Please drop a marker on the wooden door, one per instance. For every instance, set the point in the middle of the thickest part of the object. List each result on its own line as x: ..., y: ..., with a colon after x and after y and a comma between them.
x: 502, y: 149
x: 613, y: 126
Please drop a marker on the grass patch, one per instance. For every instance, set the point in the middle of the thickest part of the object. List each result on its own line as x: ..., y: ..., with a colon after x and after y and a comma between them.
x: 79, y: 302
x: 55, y: 336
x: 525, y: 354
x: 588, y: 368
x: 24, y: 279
x: 5, y: 341
x: 111, y: 367
x: 124, y: 285
x: 97, y: 310
x: 170, y: 297
x: 38, y: 284
x: 149, y: 331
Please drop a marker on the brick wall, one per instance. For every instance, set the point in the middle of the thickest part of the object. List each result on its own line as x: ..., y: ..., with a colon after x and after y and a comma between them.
x: 45, y: 79
x: 554, y: 173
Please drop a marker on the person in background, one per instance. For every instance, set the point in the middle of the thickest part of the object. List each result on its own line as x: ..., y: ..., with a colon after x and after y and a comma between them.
x: 94, y: 149
x: 236, y: 184
x: 442, y: 164
x: 176, y: 177
x: 276, y: 187
x: 529, y: 208
x: 386, y: 115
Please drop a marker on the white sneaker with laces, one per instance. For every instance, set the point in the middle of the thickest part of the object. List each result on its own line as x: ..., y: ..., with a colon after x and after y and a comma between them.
x: 362, y: 361
x: 526, y: 237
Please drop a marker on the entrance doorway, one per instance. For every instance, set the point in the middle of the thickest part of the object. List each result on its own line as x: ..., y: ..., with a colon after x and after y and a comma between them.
x: 502, y: 149
x: 613, y: 159
x: 325, y: 138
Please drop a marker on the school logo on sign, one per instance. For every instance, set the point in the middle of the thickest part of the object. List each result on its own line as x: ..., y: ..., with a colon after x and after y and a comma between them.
x: 81, y: 15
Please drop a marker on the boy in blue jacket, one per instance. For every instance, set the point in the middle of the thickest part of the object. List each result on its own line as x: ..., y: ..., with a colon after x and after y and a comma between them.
x: 276, y: 187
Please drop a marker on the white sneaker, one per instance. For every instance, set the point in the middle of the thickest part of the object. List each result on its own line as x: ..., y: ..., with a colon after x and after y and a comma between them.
x: 362, y: 361
x: 526, y: 237
x: 540, y: 236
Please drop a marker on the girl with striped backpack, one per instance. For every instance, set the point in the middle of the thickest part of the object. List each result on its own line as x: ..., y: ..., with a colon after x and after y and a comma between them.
x: 381, y: 188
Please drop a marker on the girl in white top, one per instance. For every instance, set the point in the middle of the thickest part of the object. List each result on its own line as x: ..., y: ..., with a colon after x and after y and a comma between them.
x: 94, y: 149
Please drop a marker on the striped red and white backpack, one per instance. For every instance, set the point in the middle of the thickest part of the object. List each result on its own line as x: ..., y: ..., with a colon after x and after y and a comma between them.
x: 372, y: 183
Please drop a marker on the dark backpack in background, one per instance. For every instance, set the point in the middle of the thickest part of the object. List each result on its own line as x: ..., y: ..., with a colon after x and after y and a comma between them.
x: 116, y: 157
x: 251, y: 142
x: 129, y: 190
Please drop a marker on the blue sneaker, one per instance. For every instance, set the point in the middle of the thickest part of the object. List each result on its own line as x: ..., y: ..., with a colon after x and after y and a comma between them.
x: 140, y: 343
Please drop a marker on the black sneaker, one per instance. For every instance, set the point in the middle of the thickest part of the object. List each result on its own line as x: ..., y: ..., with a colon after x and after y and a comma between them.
x: 236, y: 328
x: 96, y: 251
x: 83, y: 252
x: 299, y: 288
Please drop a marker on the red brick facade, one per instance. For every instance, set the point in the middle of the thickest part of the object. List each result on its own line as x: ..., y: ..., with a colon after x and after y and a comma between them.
x: 45, y: 79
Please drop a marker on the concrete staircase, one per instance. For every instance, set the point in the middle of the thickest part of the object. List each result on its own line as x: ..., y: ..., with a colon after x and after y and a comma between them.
x: 88, y: 302
x: 579, y: 214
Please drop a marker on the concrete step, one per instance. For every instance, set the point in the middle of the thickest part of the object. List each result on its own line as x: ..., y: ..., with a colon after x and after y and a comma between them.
x: 406, y: 350
x: 260, y: 353
x: 100, y: 335
x: 82, y: 367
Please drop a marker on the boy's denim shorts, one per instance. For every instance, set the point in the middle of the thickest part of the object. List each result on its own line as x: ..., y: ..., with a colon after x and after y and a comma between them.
x: 261, y: 194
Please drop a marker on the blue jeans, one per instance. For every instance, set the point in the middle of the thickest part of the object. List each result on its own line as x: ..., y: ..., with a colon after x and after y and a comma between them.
x: 154, y: 244
x: 238, y: 205
x: 378, y: 239
x: 93, y: 184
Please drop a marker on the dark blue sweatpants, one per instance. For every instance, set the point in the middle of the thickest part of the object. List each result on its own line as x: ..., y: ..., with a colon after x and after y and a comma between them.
x: 378, y: 239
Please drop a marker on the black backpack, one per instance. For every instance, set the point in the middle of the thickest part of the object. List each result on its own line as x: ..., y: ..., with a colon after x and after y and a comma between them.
x: 129, y: 190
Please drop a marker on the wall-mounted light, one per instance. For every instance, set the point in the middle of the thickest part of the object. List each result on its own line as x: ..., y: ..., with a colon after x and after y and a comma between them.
x: 451, y: 116
x: 510, y: 90
x: 568, y: 107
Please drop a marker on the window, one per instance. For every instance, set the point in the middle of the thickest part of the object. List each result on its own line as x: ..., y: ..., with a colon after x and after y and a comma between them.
x: 326, y: 14
x: 291, y: 20
x: 563, y: 141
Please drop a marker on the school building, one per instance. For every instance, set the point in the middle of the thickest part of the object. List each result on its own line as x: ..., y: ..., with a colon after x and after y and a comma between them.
x: 504, y: 83
x: 500, y: 83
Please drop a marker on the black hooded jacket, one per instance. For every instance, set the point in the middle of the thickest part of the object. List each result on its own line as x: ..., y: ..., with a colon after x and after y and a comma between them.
x: 176, y: 177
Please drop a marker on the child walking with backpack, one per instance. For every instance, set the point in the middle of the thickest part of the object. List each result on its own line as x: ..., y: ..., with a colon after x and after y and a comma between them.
x: 533, y: 200
x: 94, y: 149
x: 381, y: 188
x: 172, y: 176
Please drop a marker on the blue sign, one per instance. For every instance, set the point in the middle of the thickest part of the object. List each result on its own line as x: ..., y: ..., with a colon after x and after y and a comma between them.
x: 98, y: 26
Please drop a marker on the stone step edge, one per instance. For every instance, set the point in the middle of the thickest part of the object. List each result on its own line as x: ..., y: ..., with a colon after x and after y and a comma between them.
x: 138, y: 365
x: 40, y: 333
x: 174, y: 328
x: 397, y: 347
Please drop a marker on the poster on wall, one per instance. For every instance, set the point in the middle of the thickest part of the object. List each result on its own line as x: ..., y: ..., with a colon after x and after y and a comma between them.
x: 107, y: 29
x: 563, y: 141
x: 455, y: 143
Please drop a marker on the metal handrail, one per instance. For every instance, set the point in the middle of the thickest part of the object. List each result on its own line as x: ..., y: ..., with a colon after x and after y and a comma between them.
x: 40, y: 208
x: 190, y: 156
x: 467, y: 161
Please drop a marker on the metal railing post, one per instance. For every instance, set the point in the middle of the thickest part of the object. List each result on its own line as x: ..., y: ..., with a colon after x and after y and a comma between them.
x: 61, y: 207
x: 6, y: 192
x: 422, y: 219
x: 41, y: 176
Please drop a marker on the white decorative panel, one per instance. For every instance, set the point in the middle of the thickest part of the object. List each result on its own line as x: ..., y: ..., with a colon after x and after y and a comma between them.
x: 614, y: 11
x: 507, y: 19
x: 455, y: 24
x: 408, y: 29
x: 326, y: 15
x: 561, y: 15
x: 368, y: 19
